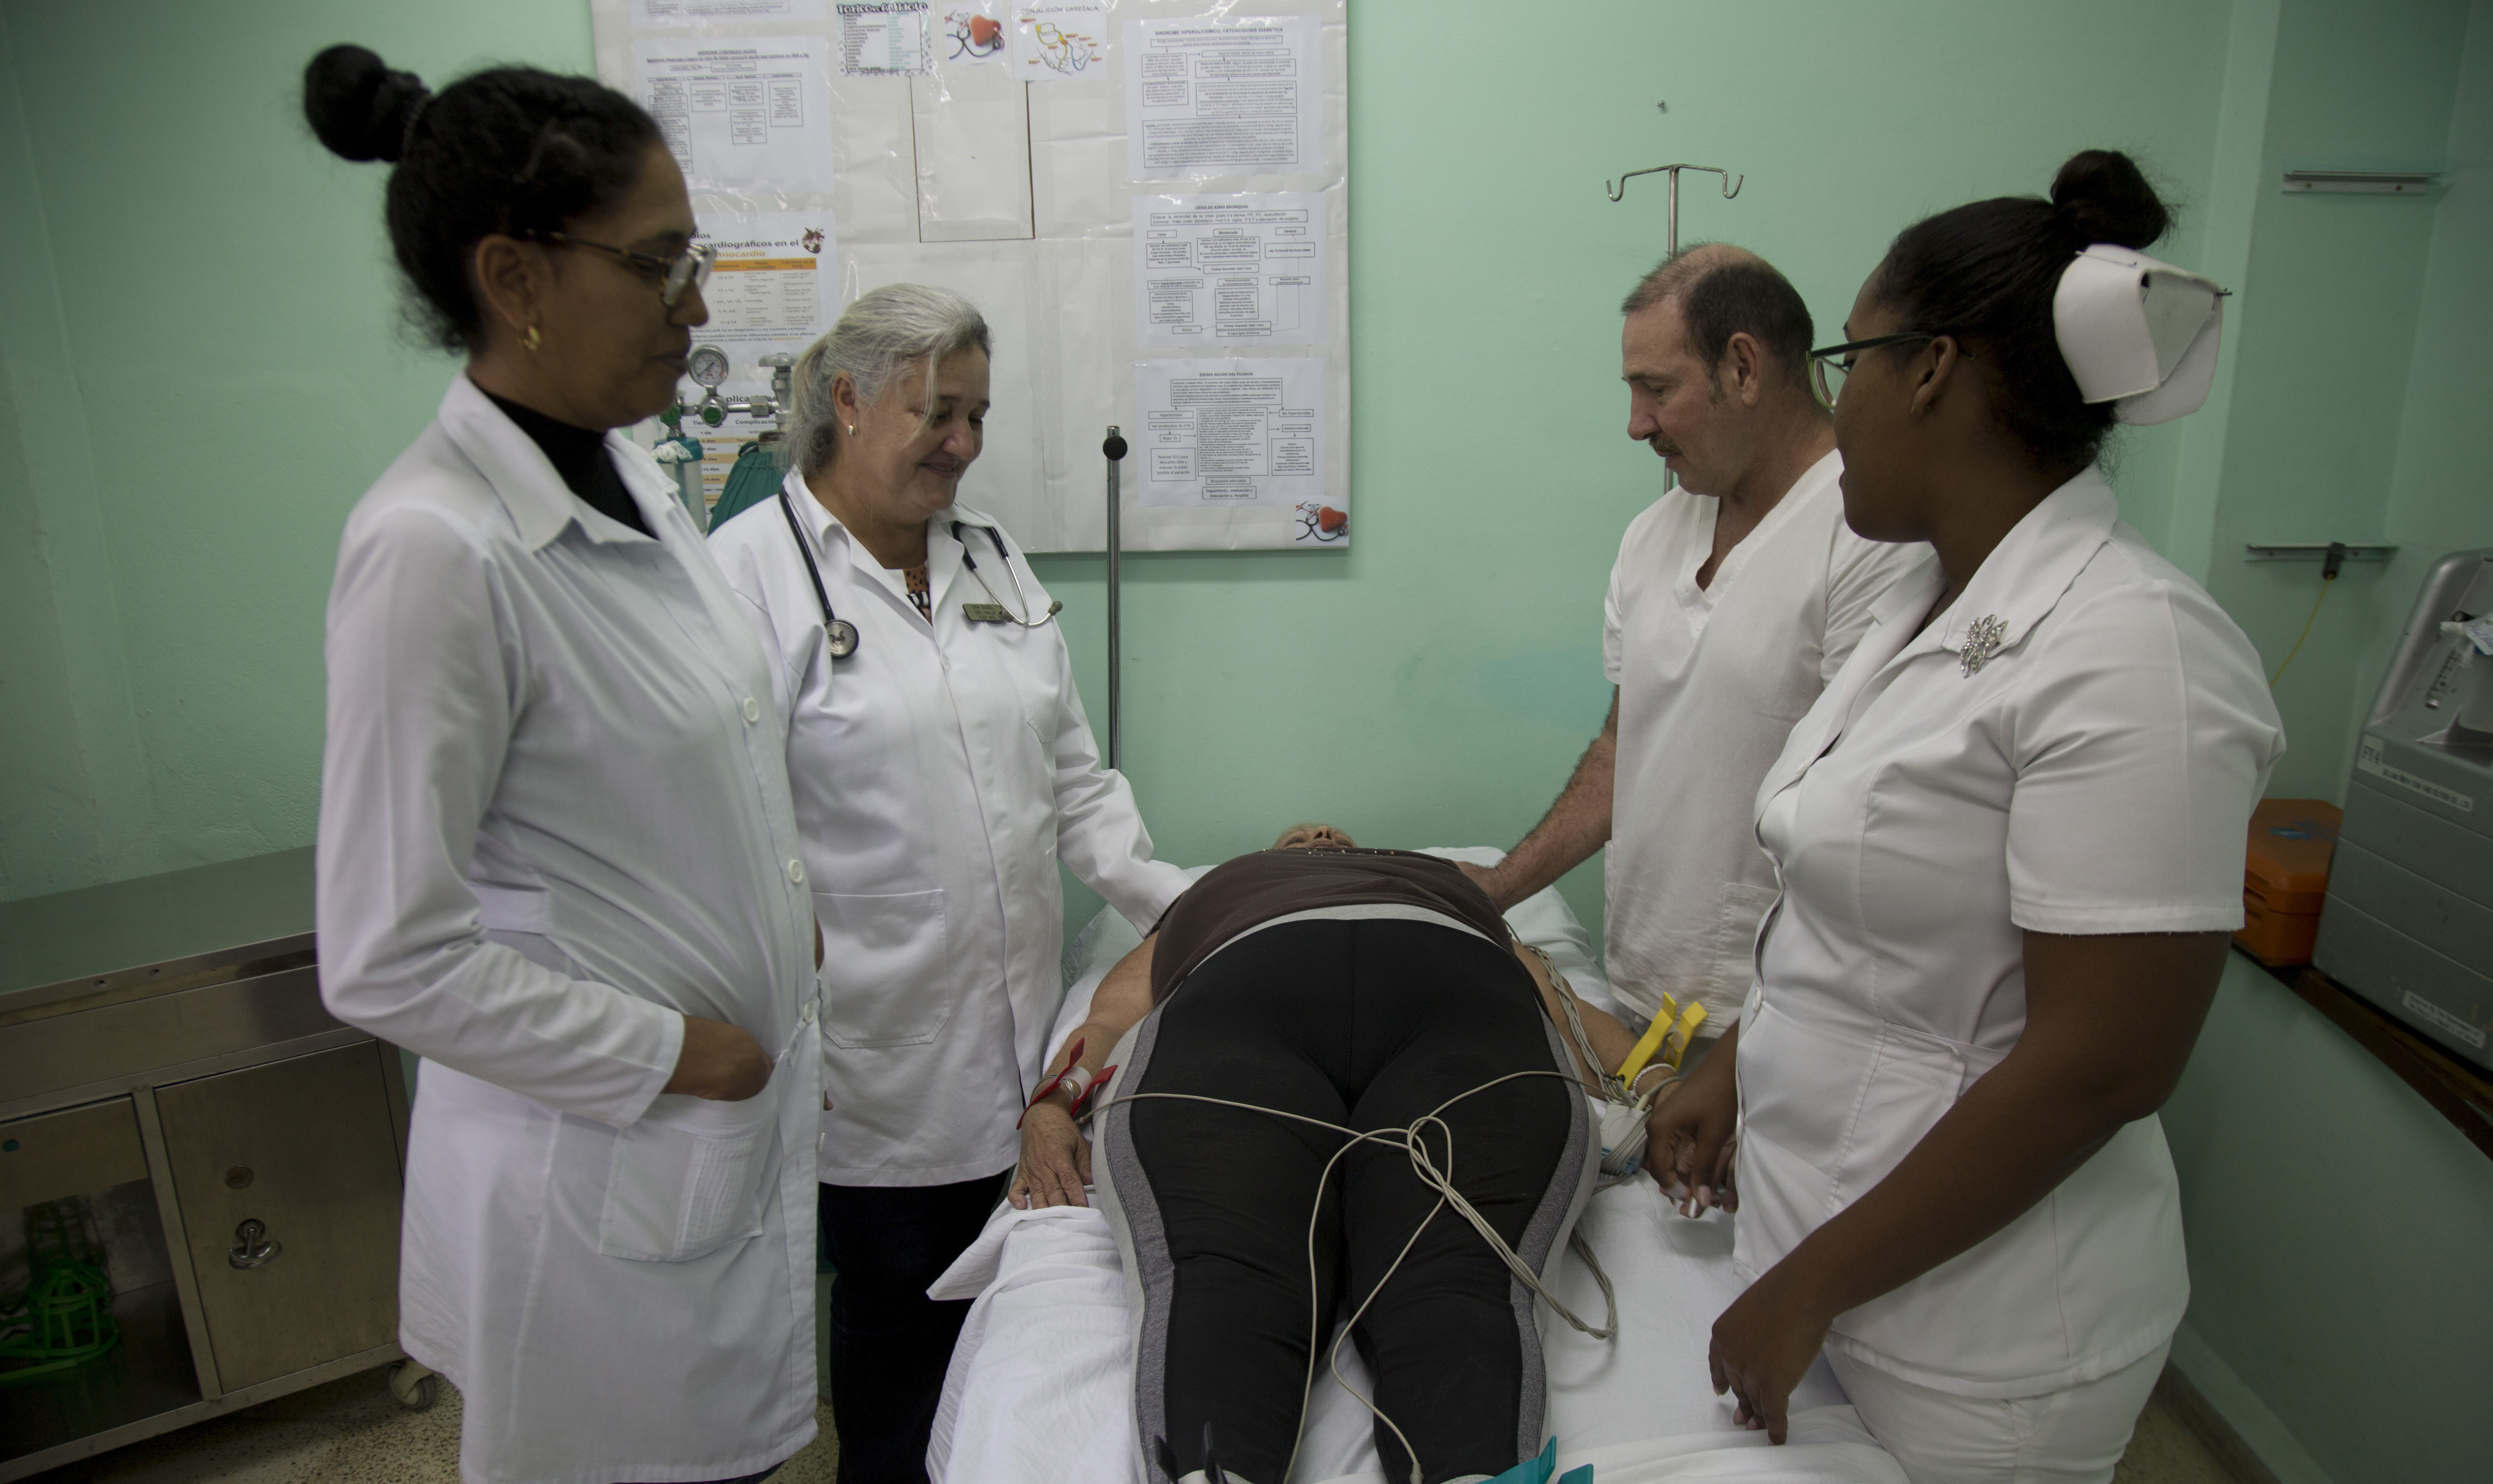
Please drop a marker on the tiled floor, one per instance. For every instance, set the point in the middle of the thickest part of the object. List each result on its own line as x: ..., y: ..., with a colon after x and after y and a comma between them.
x: 2164, y: 1451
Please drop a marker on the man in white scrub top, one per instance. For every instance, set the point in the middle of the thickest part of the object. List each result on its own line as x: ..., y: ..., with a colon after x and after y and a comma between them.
x: 1735, y: 598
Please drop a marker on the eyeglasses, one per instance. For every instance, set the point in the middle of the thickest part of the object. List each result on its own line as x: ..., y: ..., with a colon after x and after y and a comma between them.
x: 1828, y: 367
x: 688, y: 269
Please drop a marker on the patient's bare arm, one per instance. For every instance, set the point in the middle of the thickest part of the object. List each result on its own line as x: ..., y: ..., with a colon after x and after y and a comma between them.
x: 1611, y: 1040
x: 1055, y: 1157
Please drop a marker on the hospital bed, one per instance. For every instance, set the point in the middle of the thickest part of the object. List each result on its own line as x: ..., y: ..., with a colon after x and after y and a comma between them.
x: 1040, y: 1389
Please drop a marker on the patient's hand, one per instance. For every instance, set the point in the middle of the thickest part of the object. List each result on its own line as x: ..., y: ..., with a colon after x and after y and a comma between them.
x: 1055, y: 1160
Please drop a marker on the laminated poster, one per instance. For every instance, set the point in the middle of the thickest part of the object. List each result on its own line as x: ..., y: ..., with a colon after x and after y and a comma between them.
x: 743, y: 115
x: 1213, y: 271
x: 1231, y: 431
x: 1242, y: 96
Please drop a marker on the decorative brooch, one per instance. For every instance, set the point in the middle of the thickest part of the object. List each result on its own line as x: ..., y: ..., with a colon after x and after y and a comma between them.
x: 1982, y: 641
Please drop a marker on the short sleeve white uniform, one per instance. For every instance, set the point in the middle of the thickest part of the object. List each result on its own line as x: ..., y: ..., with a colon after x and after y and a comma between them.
x: 1710, y: 681
x: 555, y: 821
x: 2094, y: 775
x: 940, y: 773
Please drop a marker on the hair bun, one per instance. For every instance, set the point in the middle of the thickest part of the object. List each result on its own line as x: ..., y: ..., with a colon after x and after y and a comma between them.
x: 2103, y: 197
x: 357, y: 106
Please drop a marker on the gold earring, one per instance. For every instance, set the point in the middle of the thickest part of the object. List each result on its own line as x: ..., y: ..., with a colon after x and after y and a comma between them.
x: 852, y: 430
x: 530, y: 339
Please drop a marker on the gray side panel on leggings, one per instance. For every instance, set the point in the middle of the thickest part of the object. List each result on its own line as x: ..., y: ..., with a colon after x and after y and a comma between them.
x: 1125, y: 1193
x: 1571, y: 1184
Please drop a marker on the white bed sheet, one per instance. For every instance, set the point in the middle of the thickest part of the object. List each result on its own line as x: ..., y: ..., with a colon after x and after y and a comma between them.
x: 1041, y: 1385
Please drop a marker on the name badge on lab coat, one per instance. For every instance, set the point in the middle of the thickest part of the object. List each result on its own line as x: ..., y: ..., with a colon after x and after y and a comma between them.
x: 985, y: 612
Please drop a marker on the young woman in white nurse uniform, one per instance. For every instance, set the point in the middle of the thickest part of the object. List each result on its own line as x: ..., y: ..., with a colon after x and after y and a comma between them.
x: 2010, y: 842
x: 942, y: 766
x: 558, y: 856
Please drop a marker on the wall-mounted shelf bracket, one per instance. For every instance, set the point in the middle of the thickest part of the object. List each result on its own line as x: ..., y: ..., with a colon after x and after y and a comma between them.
x: 2258, y: 552
x: 2363, y: 182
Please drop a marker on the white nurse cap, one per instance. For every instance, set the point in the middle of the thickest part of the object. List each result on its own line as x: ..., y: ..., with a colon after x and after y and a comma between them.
x: 2137, y: 332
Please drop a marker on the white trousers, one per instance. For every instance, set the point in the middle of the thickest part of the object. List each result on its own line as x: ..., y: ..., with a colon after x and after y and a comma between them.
x: 2073, y: 1435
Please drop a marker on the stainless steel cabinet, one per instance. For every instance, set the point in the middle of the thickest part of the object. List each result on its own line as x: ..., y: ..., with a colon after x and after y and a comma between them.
x: 178, y: 1109
x: 304, y: 1148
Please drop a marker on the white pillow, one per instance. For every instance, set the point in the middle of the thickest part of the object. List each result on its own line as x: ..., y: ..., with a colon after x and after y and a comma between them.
x: 1542, y: 920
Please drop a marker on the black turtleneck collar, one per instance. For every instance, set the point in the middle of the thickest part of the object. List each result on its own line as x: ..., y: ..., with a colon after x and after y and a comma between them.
x: 579, y: 456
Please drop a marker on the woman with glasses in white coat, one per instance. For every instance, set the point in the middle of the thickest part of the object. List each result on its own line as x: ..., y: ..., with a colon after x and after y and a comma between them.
x: 2009, y: 838
x: 557, y: 857
x: 942, y: 766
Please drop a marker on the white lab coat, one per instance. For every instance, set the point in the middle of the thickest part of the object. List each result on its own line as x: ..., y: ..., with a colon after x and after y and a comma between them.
x: 2094, y: 775
x: 940, y: 773
x: 555, y: 819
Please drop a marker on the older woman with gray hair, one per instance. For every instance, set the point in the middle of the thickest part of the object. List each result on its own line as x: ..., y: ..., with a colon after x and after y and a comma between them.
x: 941, y: 764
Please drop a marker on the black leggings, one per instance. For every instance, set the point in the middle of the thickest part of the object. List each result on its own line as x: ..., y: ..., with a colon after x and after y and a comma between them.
x: 1369, y: 1025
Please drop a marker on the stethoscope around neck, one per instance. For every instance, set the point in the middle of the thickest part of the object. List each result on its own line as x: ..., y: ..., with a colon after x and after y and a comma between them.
x: 841, y: 636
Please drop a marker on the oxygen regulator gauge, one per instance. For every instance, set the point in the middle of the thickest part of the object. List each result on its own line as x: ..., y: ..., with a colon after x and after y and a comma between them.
x: 706, y: 366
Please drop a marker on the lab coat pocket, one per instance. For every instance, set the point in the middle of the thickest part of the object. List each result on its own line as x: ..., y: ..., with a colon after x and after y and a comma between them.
x: 690, y: 1176
x: 887, y: 979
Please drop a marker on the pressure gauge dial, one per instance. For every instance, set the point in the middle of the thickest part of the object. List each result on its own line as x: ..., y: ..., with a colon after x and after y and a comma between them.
x: 706, y: 366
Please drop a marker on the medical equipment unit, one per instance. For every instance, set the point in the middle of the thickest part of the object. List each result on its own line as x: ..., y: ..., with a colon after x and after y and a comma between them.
x: 707, y: 367
x: 200, y: 1168
x: 2409, y: 919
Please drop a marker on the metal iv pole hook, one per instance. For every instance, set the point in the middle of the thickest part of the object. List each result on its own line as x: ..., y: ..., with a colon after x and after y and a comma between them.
x: 1730, y: 183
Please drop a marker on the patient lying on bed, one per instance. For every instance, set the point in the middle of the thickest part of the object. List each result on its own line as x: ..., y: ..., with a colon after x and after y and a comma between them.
x: 1330, y: 989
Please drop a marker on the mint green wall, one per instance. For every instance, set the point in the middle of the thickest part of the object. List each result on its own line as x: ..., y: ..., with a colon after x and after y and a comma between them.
x: 2328, y: 312
x: 73, y: 788
x: 2440, y: 493
x: 2337, y: 1228
x: 2337, y: 1225
x: 199, y: 330
x: 199, y: 368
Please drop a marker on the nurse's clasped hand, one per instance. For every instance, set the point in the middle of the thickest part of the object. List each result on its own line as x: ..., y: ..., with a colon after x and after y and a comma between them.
x: 1689, y: 1134
x: 719, y: 1061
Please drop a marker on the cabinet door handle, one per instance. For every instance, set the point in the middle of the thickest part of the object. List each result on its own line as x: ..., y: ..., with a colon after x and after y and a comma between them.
x: 253, y: 1246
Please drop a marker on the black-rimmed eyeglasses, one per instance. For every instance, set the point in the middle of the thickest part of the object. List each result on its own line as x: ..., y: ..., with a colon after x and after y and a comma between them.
x: 687, y: 269
x: 1827, y: 368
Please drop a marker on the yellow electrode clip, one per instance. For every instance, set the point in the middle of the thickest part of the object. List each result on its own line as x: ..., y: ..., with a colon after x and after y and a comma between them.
x: 1670, y: 1034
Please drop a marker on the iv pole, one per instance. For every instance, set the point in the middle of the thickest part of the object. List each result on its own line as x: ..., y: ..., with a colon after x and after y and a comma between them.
x: 1670, y: 219
x: 1113, y: 447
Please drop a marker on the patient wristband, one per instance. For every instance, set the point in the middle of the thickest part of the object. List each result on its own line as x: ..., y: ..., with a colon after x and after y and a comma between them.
x: 1076, y: 1079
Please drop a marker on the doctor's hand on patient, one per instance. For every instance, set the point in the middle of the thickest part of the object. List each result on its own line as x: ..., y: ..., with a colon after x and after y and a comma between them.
x: 719, y: 1061
x: 1055, y: 1159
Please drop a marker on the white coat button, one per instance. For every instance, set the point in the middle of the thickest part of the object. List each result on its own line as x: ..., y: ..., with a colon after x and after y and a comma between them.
x: 752, y: 709
x: 797, y: 872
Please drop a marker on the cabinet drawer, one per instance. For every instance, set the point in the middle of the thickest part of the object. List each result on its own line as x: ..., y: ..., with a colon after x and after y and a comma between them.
x: 74, y: 1152
x: 306, y: 1148
x: 138, y: 1036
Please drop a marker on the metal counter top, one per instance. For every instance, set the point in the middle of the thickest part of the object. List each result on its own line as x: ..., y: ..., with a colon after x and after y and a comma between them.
x: 153, y: 934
